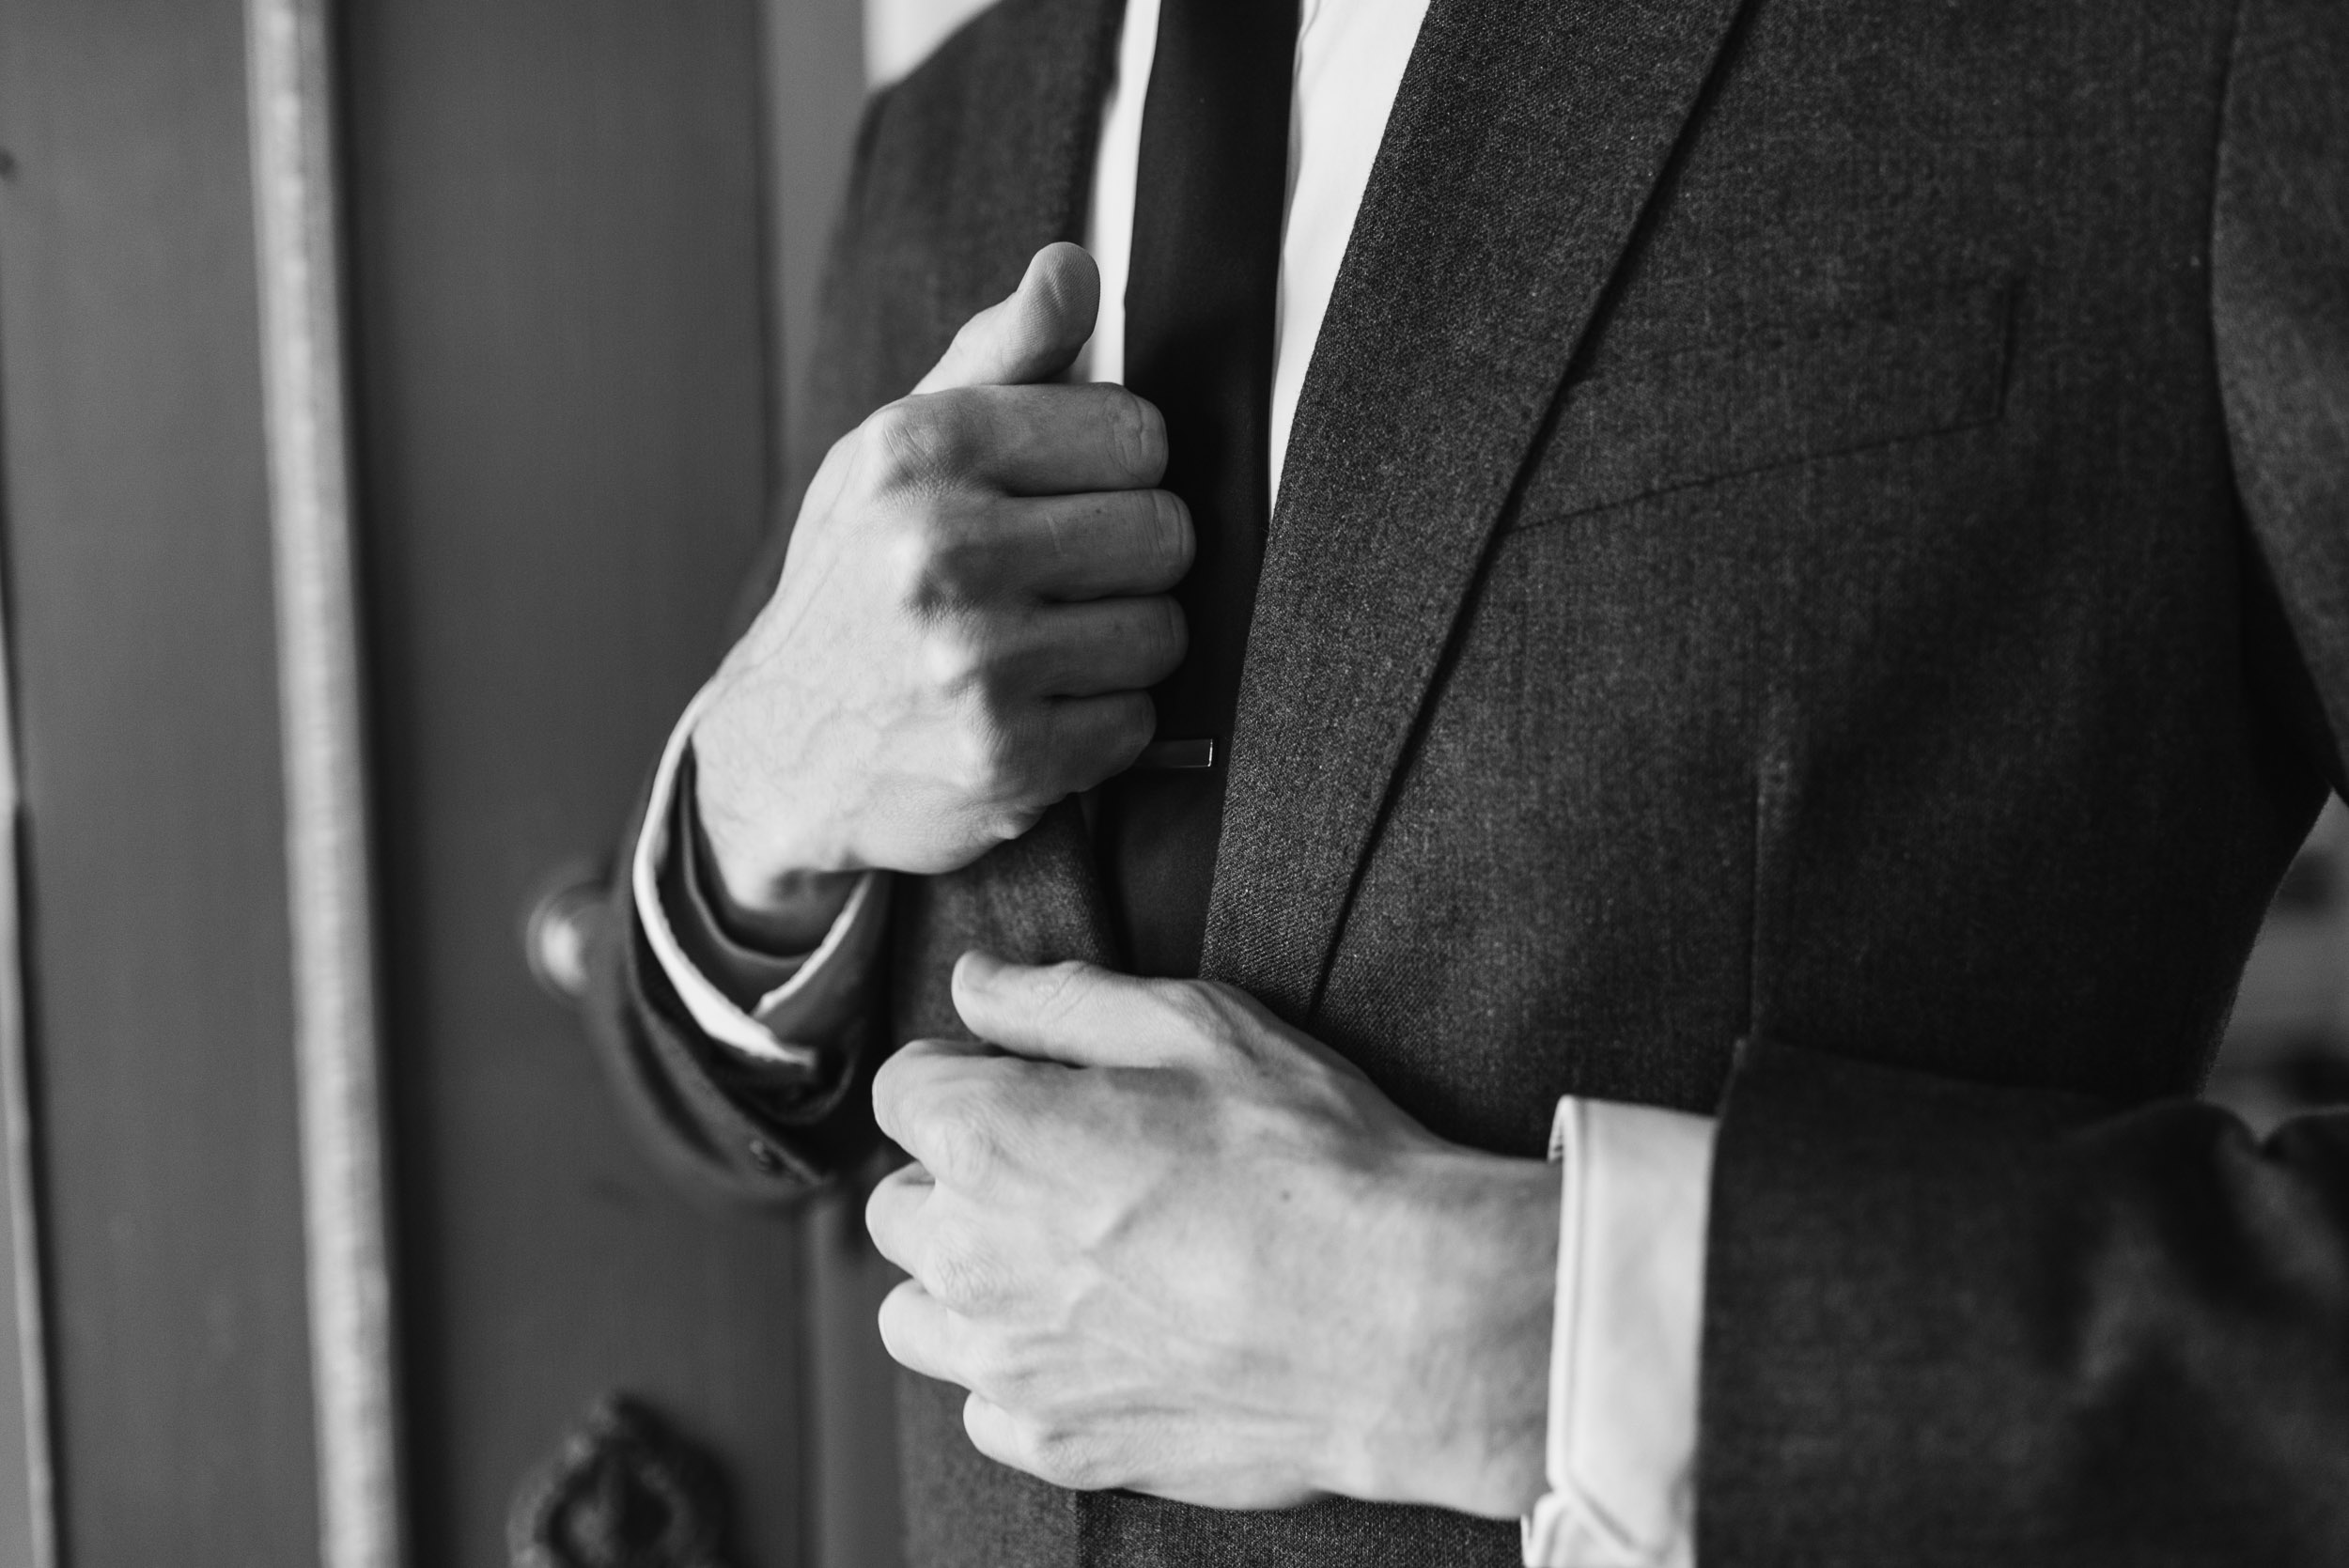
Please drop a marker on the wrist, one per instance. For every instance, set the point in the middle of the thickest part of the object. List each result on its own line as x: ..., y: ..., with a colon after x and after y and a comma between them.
x: 1467, y: 1421
x: 767, y: 904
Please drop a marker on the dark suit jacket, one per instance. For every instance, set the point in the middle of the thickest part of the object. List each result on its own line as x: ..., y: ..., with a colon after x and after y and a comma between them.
x: 1813, y: 582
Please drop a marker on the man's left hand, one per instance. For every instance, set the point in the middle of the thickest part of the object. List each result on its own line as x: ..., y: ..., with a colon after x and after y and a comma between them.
x: 1172, y: 1245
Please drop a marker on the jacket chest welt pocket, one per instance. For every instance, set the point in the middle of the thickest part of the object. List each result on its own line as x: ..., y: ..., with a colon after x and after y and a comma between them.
x: 1776, y: 397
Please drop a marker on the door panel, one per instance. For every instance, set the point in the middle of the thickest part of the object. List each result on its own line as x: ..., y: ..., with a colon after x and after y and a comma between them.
x: 560, y: 298
x: 565, y: 224
x: 156, y: 954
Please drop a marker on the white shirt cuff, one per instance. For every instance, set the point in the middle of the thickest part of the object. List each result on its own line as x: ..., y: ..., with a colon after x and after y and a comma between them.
x: 1625, y: 1344
x: 816, y: 989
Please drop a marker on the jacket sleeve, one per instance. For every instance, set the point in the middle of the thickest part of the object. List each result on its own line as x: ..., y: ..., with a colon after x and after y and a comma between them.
x: 1948, y: 1324
x: 722, y: 1120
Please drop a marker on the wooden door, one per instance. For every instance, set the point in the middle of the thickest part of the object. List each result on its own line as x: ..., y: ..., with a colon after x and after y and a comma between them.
x: 562, y: 375
x: 569, y: 225
x: 573, y: 234
x: 157, y: 953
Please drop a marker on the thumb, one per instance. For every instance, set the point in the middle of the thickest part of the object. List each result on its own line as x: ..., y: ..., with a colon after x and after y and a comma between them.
x: 1032, y: 336
x: 1079, y: 1014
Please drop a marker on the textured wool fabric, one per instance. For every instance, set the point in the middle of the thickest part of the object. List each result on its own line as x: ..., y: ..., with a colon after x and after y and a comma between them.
x: 1817, y: 524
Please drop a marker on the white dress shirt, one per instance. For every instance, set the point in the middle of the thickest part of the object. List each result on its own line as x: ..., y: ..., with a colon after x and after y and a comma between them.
x: 1624, y: 1354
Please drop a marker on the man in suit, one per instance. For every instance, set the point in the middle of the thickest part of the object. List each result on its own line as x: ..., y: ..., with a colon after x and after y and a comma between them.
x: 1757, y: 603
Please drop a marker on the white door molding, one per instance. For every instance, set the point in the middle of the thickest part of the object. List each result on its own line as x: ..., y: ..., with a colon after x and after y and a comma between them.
x: 337, y: 1036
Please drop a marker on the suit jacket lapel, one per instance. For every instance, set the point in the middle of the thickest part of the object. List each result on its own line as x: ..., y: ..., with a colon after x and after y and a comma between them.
x: 1024, y: 122
x: 1521, y: 152
x: 1030, y: 121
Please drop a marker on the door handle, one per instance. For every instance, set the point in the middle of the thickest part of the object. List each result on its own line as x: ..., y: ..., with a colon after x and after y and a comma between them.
x: 565, y: 919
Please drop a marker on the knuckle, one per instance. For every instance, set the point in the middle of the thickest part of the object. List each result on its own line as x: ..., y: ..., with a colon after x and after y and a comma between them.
x: 907, y: 548
x: 957, y: 561
x: 961, y: 1139
x: 890, y: 437
x: 1068, y: 1456
x: 1005, y: 1372
x: 889, y: 1322
x: 1008, y: 824
x: 955, y: 660
x: 960, y: 1271
x: 1137, y: 433
x: 983, y: 1366
x: 986, y: 761
x: 1169, y: 633
x: 890, y: 1085
x: 935, y: 563
x: 1133, y: 721
x: 1113, y: 735
x: 1004, y: 1366
x: 899, y: 1319
x: 879, y: 1210
x: 918, y: 439
x: 1173, y: 543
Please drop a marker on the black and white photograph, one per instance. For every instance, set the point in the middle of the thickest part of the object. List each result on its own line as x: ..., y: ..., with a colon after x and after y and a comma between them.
x: 1174, y: 784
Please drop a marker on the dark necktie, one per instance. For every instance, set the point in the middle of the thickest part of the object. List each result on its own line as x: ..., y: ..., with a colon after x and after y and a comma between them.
x: 1200, y: 297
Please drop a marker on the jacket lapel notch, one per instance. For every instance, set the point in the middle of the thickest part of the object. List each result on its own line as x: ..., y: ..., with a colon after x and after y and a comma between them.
x: 1485, y: 240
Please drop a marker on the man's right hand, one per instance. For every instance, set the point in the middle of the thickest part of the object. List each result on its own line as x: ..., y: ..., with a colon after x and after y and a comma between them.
x: 971, y: 614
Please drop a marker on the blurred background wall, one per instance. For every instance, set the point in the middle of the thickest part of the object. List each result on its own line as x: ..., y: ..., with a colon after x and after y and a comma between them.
x: 577, y: 243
